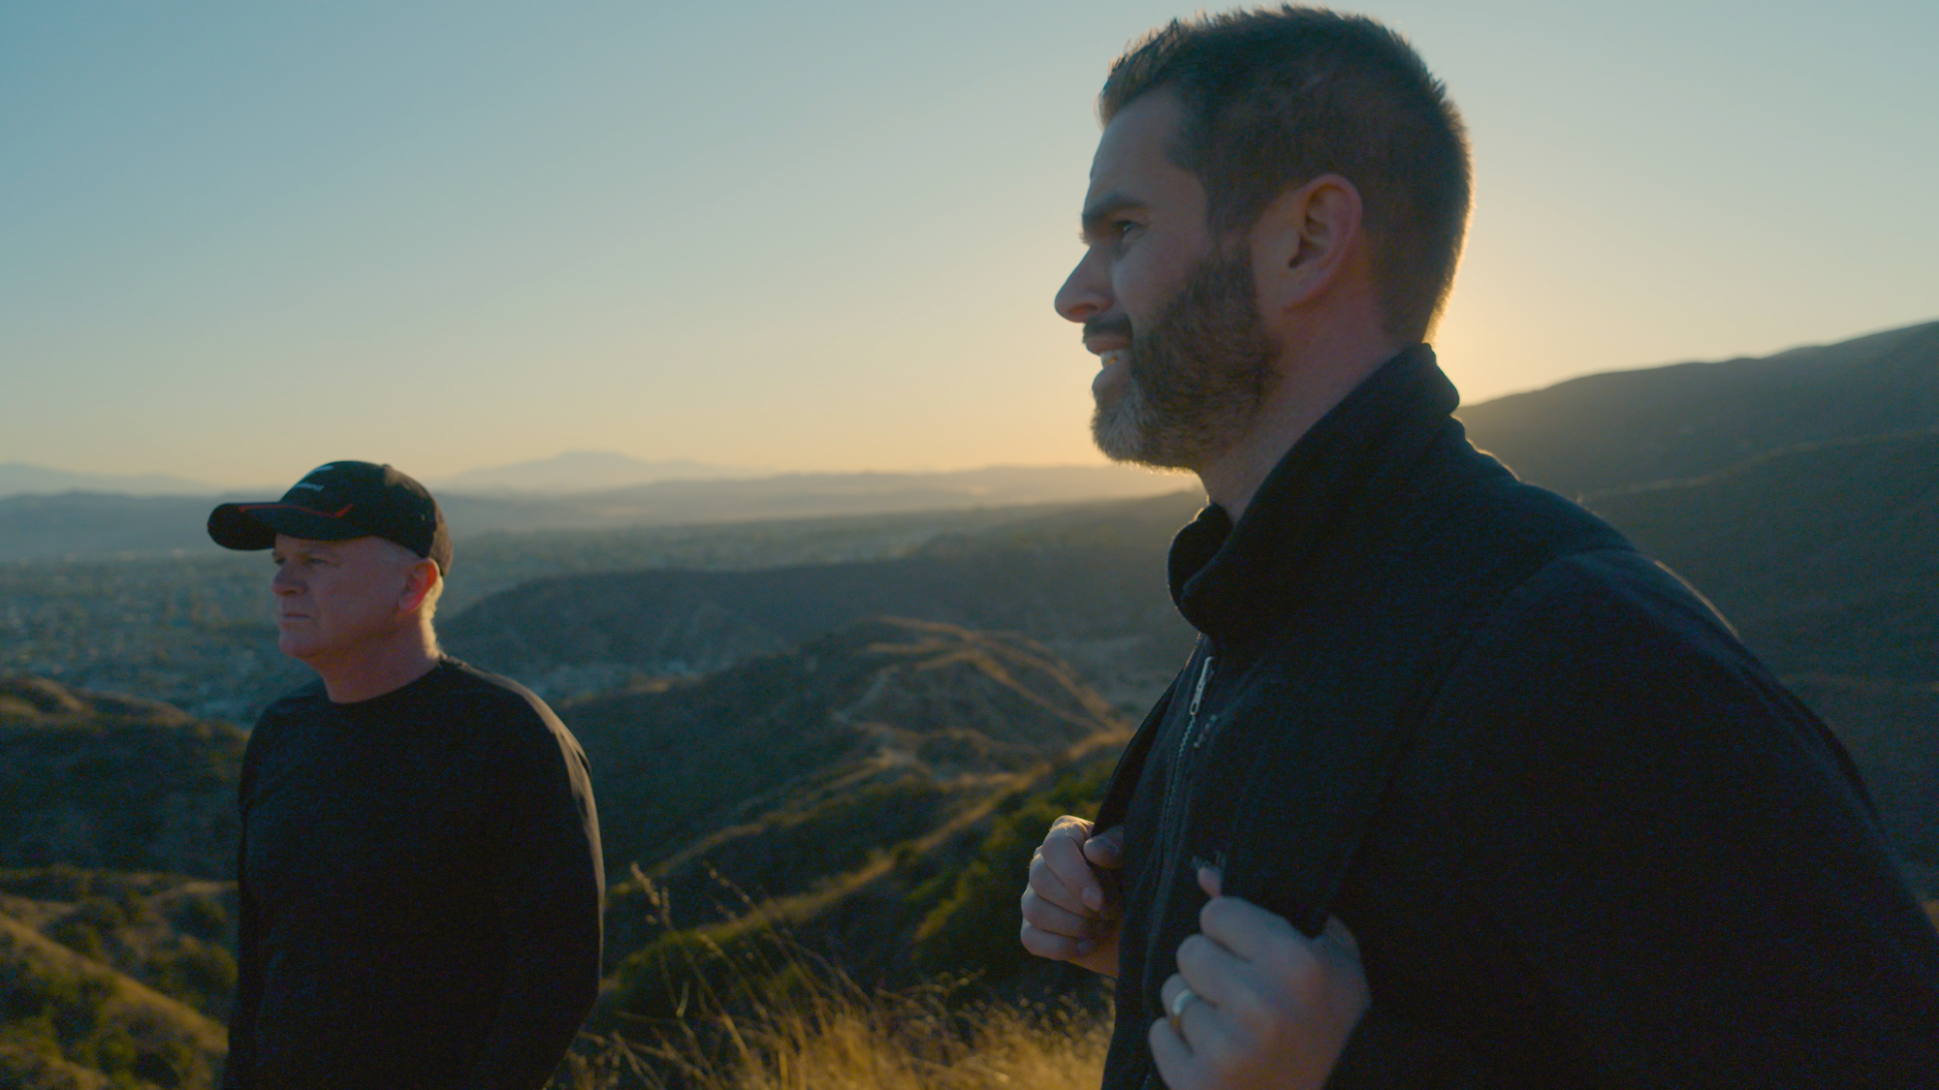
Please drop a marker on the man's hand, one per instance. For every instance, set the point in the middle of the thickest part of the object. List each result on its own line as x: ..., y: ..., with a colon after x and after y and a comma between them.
x: 1256, y: 1004
x: 1071, y: 905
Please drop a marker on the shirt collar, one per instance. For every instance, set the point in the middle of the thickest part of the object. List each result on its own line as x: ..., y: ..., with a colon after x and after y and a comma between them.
x: 1227, y: 579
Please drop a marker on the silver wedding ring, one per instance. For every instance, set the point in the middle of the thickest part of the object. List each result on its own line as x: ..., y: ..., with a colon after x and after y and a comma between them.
x: 1176, y: 1008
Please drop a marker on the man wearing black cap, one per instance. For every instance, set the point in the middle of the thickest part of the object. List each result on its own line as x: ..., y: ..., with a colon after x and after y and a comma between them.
x: 420, y: 875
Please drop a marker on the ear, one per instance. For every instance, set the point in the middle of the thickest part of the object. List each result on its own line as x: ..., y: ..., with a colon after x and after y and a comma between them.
x: 417, y: 584
x: 1304, y: 242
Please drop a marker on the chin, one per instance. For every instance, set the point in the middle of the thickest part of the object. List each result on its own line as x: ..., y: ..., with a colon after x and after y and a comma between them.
x: 1119, y: 424
x: 295, y: 646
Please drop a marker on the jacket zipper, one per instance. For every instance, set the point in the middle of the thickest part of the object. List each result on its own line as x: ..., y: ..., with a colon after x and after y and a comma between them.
x: 1191, y: 713
x: 1173, y: 830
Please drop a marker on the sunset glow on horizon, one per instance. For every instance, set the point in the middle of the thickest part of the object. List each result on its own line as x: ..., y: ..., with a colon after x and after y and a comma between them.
x: 236, y: 242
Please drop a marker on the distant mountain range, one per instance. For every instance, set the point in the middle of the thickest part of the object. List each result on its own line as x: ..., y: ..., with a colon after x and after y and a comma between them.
x: 562, y: 474
x: 82, y: 524
x: 582, y: 471
x: 25, y: 479
x: 1578, y: 437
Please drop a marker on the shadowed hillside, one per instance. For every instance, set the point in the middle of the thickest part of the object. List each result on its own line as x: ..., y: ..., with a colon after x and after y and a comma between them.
x: 99, y: 780
x: 1692, y: 419
x: 870, y: 704
x: 1823, y: 556
x: 111, y: 974
x: 1824, y: 559
x: 798, y: 768
x: 1087, y: 583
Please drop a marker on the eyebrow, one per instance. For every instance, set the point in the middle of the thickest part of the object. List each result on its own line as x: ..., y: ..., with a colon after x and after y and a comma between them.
x: 1103, y: 209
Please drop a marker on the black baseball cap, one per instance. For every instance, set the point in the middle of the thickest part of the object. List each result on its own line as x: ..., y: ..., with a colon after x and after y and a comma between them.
x: 339, y: 501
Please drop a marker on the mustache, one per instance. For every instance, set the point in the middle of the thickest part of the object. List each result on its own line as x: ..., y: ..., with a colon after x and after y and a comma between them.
x: 1118, y: 325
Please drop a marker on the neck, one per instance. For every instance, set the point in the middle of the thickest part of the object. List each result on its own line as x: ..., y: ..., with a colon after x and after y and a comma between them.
x: 1311, y: 382
x: 380, y: 667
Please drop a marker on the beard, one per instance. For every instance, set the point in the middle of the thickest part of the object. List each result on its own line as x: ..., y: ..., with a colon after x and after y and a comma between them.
x: 1197, y: 376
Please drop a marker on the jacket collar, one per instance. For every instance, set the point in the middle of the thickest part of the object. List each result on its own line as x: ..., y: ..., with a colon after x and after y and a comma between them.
x: 1231, y: 581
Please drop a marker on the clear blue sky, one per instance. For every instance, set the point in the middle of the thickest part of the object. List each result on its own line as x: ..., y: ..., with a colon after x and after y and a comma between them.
x: 239, y: 240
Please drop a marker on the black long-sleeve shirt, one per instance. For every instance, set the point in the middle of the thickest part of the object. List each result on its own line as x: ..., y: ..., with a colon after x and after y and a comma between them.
x: 421, y: 885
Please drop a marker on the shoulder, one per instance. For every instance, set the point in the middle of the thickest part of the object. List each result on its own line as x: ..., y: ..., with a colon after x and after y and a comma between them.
x: 1471, y: 533
x: 293, y: 709
x: 1607, y: 603
x: 500, y: 709
x: 1607, y: 660
x: 298, y: 702
x: 462, y: 681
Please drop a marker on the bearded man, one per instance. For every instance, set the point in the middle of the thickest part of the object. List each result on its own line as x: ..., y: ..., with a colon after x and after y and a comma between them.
x: 1458, y: 788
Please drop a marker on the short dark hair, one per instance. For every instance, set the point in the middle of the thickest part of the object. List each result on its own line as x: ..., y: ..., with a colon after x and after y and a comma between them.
x: 1276, y: 98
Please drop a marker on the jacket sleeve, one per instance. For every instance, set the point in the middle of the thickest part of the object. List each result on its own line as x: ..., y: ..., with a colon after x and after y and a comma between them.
x: 548, y: 881
x: 1672, y: 851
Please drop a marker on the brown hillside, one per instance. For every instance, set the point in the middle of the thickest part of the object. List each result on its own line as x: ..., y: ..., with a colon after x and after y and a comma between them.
x: 101, y: 780
x: 822, y: 784
x: 1089, y: 584
x: 79, y: 1023
x: 892, y: 722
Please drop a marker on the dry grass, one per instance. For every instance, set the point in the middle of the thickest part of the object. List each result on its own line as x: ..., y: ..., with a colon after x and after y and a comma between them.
x: 783, y: 1019
x: 847, y: 1041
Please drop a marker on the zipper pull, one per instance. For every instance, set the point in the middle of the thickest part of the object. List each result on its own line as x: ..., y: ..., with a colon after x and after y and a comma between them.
x: 1199, y: 736
x: 1198, y: 691
x: 1190, y: 740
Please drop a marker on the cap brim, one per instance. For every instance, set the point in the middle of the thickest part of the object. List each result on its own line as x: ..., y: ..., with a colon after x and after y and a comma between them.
x: 250, y: 526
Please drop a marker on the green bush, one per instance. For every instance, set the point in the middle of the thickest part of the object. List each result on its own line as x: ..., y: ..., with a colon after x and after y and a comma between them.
x: 203, y: 916
x: 79, y: 936
x: 36, y: 991
x: 973, y: 917
x: 109, y: 1049
x: 76, y: 1020
x: 95, y: 920
x: 171, y: 1064
x: 202, y: 976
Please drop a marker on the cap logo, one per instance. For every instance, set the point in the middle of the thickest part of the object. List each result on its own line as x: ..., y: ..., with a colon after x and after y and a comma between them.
x: 306, y: 484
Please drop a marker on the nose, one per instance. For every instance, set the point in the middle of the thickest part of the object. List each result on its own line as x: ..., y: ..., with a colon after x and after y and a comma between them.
x: 1087, y: 291
x: 284, y: 581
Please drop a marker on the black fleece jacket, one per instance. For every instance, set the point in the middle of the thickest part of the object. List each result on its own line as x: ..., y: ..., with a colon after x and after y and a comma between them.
x: 1583, y: 837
